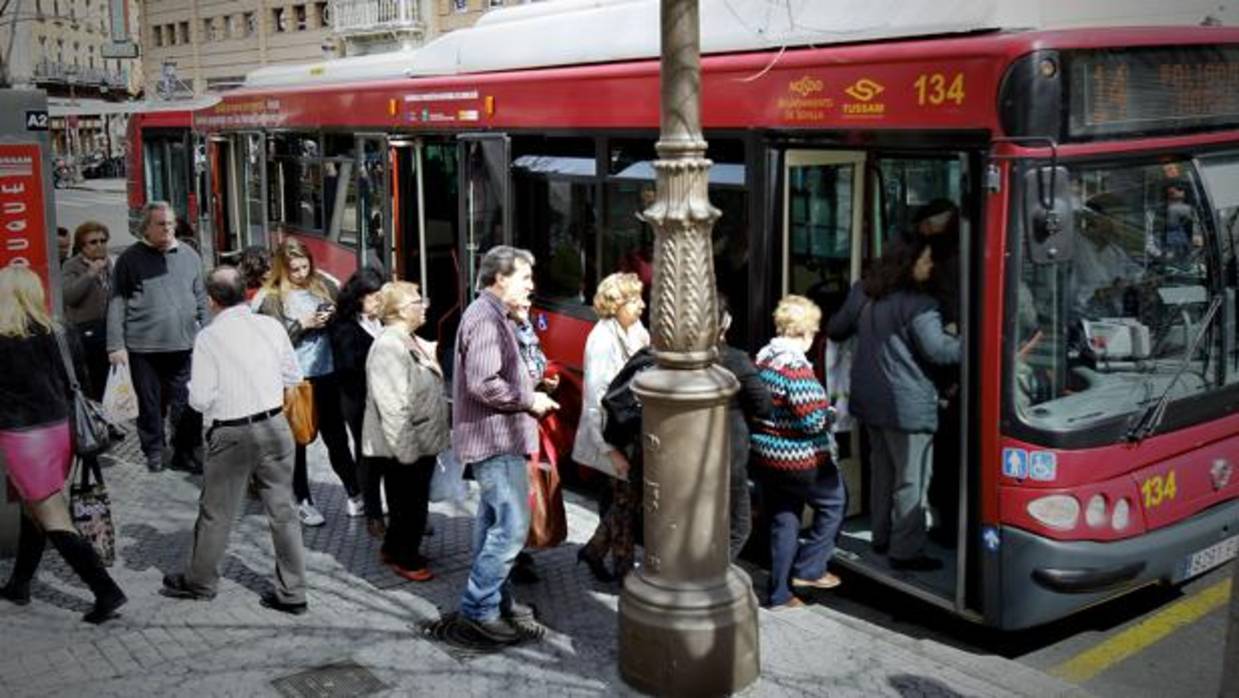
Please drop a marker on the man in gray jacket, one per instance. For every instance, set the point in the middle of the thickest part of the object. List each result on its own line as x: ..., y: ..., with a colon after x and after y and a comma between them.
x: 157, y: 306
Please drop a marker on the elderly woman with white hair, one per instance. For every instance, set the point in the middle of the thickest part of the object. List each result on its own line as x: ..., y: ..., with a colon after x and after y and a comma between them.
x: 793, y: 456
x: 618, y: 335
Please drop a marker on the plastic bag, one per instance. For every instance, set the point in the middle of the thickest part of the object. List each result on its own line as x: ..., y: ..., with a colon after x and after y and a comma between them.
x: 120, y: 400
x: 448, y: 482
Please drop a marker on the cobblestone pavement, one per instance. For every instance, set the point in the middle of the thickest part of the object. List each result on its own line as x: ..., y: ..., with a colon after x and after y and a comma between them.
x: 362, y: 613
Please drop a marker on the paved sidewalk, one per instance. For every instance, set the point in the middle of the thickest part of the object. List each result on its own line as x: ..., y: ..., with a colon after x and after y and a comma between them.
x: 363, y: 614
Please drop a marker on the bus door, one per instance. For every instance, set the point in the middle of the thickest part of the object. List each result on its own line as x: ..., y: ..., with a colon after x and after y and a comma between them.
x: 425, y: 186
x: 167, y: 166
x: 220, y: 202
x: 823, y: 212
x: 485, y: 198
x: 200, y: 205
x: 374, y: 202
x: 252, y: 176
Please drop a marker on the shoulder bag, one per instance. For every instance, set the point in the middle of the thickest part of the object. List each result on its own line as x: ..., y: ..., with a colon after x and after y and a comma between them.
x: 89, y: 427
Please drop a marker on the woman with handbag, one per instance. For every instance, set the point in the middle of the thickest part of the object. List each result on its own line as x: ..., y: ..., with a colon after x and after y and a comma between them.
x: 35, y: 438
x: 405, y: 427
x: 304, y: 301
x: 618, y: 335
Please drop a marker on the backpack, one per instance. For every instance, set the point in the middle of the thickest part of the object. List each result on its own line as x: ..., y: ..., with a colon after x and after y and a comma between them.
x: 621, y: 408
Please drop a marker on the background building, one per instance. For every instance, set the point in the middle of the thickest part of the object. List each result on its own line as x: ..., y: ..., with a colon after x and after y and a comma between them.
x: 58, y: 46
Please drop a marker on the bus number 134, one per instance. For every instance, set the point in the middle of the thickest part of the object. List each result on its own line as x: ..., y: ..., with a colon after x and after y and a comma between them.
x: 935, y: 89
x: 1158, y: 489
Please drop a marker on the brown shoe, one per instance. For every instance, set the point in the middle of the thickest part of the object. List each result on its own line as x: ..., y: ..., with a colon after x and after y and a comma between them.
x: 789, y: 604
x: 826, y: 581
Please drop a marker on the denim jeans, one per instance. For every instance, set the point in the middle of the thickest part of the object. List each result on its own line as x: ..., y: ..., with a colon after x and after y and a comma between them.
x: 789, y: 556
x: 498, y: 534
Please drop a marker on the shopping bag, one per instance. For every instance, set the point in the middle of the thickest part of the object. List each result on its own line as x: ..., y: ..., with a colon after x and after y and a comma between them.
x: 548, y: 522
x: 91, y: 510
x: 299, y: 410
x: 120, y: 400
x: 448, y: 482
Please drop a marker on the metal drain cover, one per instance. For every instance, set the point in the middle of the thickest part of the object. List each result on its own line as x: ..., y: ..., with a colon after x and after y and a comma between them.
x: 331, y: 681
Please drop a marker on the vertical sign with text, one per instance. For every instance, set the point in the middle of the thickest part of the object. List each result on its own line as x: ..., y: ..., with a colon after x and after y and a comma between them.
x: 22, y: 221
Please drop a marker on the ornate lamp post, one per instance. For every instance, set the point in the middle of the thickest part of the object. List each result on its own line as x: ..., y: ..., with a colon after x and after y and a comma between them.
x: 688, y: 618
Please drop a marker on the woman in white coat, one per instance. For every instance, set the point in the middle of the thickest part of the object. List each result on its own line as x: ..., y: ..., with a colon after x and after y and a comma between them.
x: 618, y: 335
x: 405, y: 426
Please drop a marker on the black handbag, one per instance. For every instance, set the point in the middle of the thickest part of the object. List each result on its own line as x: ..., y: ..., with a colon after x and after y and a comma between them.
x: 89, y: 427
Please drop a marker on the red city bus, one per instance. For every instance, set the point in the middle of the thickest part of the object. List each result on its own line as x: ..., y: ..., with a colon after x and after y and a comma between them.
x: 1096, y: 175
x: 163, y: 158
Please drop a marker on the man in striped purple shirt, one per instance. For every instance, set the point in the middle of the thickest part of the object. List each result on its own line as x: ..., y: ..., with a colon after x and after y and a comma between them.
x: 494, y: 431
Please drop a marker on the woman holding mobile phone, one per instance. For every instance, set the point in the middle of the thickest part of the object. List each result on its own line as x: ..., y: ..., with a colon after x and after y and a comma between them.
x: 303, y: 300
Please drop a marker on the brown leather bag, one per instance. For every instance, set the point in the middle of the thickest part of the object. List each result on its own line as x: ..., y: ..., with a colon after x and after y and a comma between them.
x: 548, y: 523
x: 300, y: 412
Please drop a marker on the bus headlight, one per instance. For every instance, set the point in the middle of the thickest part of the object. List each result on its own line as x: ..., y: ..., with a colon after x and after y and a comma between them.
x: 1122, y: 515
x: 1095, y: 512
x: 1059, y: 511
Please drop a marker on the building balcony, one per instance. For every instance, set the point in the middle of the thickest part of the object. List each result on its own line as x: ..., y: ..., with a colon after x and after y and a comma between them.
x: 360, y: 17
x: 69, y: 74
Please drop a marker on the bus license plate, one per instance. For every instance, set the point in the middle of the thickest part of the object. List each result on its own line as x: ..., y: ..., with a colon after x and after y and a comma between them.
x: 1212, y: 556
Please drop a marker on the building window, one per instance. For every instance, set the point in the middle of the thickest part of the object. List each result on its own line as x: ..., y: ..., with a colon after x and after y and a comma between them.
x: 460, y: 5
x: 496, y: 3
x: 184, y: 32
x: 250, y: 25
x: 206, y: 29
x: 299, y: 13
x: 279, y: 22
x: 157, y: 36
x: 322, y: 10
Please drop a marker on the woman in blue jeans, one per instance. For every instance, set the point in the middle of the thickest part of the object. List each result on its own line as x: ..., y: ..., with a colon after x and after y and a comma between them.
x: 793, y: 457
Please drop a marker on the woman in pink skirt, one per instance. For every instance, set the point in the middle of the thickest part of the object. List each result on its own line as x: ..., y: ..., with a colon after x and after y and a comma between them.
x: 35, y: 443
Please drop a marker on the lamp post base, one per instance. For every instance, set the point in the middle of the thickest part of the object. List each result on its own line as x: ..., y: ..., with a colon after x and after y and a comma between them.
x: 690, y: 641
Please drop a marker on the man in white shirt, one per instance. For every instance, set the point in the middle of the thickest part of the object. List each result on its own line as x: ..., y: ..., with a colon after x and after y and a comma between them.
x: 242, y: 363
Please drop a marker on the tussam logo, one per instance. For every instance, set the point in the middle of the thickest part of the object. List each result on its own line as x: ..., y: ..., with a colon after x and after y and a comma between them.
x: 865, y: 90
x: 806, y: 86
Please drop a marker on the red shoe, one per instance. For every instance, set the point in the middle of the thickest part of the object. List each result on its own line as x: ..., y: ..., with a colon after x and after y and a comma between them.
x: 422, y: 574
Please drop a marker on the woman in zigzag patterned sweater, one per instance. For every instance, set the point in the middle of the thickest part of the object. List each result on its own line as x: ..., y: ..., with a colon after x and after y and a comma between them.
x: 794, y: 457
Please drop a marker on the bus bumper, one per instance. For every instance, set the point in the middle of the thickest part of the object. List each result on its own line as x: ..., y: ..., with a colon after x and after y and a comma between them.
x: 1044, y: 579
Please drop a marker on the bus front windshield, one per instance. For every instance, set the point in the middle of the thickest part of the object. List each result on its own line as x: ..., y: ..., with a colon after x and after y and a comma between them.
x: 1111, y: 330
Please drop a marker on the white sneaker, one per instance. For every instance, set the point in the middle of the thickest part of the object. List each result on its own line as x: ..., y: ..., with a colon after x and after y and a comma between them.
x: 309, y: 514
x: 356, y: 507
x: 383, y: 499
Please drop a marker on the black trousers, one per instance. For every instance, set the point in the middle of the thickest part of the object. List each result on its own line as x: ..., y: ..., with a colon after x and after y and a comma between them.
x: 95, y: 349
x: 335, y: 437
x: 160, y: 377
x: 408, y: 503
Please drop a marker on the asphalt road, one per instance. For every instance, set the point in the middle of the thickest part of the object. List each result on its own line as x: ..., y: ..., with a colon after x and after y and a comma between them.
x: 1155, y: 642
x: 76, y: 206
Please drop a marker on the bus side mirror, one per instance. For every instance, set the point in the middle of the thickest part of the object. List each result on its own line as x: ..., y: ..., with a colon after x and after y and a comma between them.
x: 1049, y: 217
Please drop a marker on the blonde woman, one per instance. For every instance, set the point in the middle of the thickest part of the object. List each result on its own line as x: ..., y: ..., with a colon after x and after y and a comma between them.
x: 405, y: 427
x: 792, y: 456
x: 35, y: 441
x: 618, y: 335
x: 304, y: 301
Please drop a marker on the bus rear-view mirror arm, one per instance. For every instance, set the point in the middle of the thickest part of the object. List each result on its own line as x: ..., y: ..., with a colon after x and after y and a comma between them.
x: 1049, y: 216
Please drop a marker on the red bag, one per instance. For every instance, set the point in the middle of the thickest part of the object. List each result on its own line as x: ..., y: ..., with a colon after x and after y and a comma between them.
x: 548, y: 523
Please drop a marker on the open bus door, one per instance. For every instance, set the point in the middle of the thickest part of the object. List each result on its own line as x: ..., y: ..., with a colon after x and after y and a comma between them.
x: 252, y: 197
x: 424, y: 213
x: 838, y: 208
x: 374, y: 203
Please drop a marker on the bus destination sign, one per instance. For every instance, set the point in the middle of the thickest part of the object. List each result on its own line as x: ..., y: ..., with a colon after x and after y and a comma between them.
x: 1152, y: 90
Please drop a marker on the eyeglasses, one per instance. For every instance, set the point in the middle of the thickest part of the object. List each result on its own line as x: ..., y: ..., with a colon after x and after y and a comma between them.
x: 95, y: 241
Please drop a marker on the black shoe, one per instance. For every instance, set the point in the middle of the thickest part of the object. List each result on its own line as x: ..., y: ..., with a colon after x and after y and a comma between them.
x: 116, y: 433
x: 16, y: 594
x: 524, y: 571
x: 154, y: 463
x: 518, y: 612
x: 495, y: 631
x: 269, y: 600
x: 175, y: 586
x: 105, y: 608
x: 596, y: 566
x: 185, y: 464
x: 920, y: 563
